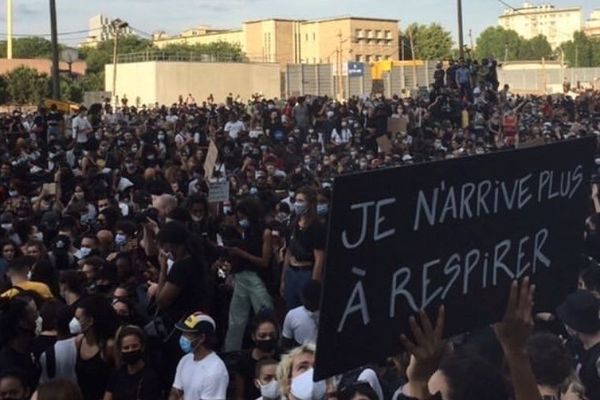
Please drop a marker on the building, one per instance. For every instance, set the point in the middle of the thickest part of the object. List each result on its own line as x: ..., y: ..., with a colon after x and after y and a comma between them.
x: 592, y: 25
x: 101, y: 29
x: 333, y: 40
x: 557, y: 24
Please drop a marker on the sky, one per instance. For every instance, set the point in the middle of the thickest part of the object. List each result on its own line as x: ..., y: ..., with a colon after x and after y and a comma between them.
x: 173, y: 16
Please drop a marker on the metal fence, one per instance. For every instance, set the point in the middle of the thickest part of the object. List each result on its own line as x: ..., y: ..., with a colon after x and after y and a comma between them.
x: 313, y: 79
x: 178, y: 56
x: 405, y: 78
x: 548, y: 80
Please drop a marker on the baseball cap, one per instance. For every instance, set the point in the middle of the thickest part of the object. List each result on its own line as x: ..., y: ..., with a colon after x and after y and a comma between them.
x: 197, y: 323
x: 580, y: 311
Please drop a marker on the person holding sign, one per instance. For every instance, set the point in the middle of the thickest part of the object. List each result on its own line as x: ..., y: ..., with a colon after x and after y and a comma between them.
x: 434, y: 372
x: 305, y: 255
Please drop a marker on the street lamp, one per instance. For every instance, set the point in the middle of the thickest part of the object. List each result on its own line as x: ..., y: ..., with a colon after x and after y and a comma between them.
x: 116, y: 25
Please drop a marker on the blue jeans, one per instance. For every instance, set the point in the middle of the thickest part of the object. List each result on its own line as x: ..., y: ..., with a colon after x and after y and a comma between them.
x: 295, y: 280
x: 249, y: 291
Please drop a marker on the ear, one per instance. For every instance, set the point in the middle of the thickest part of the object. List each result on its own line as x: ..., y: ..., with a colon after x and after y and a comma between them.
x: 257, y: 383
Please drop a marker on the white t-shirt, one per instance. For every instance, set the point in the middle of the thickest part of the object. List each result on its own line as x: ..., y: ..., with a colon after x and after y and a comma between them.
x: 79, y: 127
x: 206, y: 379
x: 300, y: 325
x: 234, y: 128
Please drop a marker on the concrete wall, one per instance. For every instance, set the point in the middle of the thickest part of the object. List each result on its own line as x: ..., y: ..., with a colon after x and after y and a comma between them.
x: 163, y: 82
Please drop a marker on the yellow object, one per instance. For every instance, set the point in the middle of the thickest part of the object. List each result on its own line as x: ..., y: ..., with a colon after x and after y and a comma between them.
x: 465, y: 119
x: 379, y: 67
x: 64, y: 106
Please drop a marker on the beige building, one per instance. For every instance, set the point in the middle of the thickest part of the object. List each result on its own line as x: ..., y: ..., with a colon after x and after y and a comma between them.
x: 592, y: 25
x: 557, y: 24
x: 283, y: 41
x: 101, y: 29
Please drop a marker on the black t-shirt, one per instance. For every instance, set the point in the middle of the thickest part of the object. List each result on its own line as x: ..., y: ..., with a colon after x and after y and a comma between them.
x: 303, y: 242
x: 144, y: 385
x: 246, y: 368
x: 41, y: 344
x: 188, y: 276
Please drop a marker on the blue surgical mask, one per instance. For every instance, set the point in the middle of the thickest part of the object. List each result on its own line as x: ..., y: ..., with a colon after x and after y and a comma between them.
x: 84, y: 251
x: 120, y: 239
x: 300, y: 208
x: 185, y: 344
x: 253, y: 191
x: 322, y: 209
x: 244, y: 223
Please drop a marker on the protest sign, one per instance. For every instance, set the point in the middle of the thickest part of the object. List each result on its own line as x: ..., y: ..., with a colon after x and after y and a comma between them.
x: 218, y: 192
x: 454, y: 232
x: 211, y: 160
x: 384, y: 143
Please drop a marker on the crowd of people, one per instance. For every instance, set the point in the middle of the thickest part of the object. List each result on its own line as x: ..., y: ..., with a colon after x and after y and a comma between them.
x: 120, y: 280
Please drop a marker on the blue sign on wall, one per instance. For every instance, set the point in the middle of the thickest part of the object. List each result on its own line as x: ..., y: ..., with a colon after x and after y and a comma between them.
x: 356, y: 69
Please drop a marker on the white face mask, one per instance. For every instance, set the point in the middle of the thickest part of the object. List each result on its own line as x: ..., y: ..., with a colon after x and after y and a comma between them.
x: 271, y: 390
x: 29, y: 275
x: 75, y: 326
x: 303, y: 387
x: 6, y: 227
x: 38, y: 325
x: 169, y: 265
x: 38, y: 236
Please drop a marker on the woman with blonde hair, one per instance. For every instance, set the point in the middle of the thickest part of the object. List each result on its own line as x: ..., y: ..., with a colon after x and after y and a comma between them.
x: 295, y: 375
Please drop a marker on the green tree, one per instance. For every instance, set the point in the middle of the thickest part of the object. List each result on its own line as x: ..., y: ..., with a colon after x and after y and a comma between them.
x: 220, y: 50
x: 28, y: 47
x: 97, y: 57
x: 26, y: 85
x: 536, y: 48
x: 581, y: 51
x: 430, y: 42
x: 500, y: 43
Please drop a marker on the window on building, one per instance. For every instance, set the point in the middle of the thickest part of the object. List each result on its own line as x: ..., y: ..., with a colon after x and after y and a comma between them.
x: 388, y: 35
x: 314, y: 36
x: 387, y: 57
x: 368, y: 59
x: 377, y: 58
x: 314, y: 60
x: 359, y: 33
x: 306, y: 37
x: 358, y: 58
x: 369, y: 33
x: 378, y: 34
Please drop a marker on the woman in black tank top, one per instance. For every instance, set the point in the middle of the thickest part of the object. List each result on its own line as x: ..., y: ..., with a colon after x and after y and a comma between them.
x: 95, y: 322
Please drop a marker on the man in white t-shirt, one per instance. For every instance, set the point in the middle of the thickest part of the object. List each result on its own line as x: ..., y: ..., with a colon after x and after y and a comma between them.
x: 81, y: 127
x: 234, y: 126
x: 301, y: 323
x: 200, y: 374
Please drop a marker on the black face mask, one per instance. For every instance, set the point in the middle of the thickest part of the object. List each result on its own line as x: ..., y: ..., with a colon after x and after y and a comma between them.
x: 132, y: 357
x: 266, y: 346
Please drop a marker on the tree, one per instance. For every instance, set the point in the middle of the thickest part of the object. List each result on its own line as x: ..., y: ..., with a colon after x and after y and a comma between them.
x: 536, y: 48
x: 97, y: 57
x: 28, y: 47
x: 431, y: 42
x: 220, y: 50
x: 582, y: 51
x: 26, y: 85
x: 499, y: 43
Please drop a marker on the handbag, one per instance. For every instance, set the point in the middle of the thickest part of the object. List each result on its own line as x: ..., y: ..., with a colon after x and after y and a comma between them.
x: 159, y: 328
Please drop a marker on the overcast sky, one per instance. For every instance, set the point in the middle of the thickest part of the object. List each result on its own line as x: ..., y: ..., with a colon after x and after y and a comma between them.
x: 173, y: 16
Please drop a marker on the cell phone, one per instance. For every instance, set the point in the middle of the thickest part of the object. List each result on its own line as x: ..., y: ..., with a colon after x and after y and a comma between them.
x: 50, y: 188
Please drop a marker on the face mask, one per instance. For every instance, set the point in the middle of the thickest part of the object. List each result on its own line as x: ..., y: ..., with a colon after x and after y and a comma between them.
x: 186, y: 345
x: 120, y: 239
x: 75, y: 326
x: 38, y: 236
x: 196, y: 218
x: 303, y: 387
x: 6, y: 227
x: 300, y: 208
x: 13, y: 193
x: 38, y: 325
x: 169, y: 264
x: 226, y: 210
x: 244, y: 223
x: 253, y: 191
x: 132, y: 357
x: 79, y: 195
x: 271, y: 390
x: 322, y: 209
x: 267, y: 346
x: 29, y: 275
x: 85, y: 251
x: 129, y: 165
x: 134, y: 149
x: 98, y: 136
x: 281, y: 217
x: 161, y: 137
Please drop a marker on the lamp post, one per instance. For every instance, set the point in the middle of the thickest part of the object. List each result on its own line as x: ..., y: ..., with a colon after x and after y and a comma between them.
x: 117, y: 25
x: 55, y: 65
x: 9, y: 29
x: 461, y: 40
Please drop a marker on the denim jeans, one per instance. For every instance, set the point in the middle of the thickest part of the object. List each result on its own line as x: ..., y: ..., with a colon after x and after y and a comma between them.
x: 295, y: 280
x: 249, y: 291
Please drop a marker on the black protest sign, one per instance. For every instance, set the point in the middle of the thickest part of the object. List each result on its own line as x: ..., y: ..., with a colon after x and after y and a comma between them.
x: 455, y: 232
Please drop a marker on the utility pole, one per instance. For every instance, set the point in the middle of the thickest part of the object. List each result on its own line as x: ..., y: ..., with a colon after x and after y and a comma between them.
x: 412, y: 52
x: 117, y: 25
x: 461, y: 41
x: 9, y: 29
x: 55, y: 65
x: 340, y: 67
